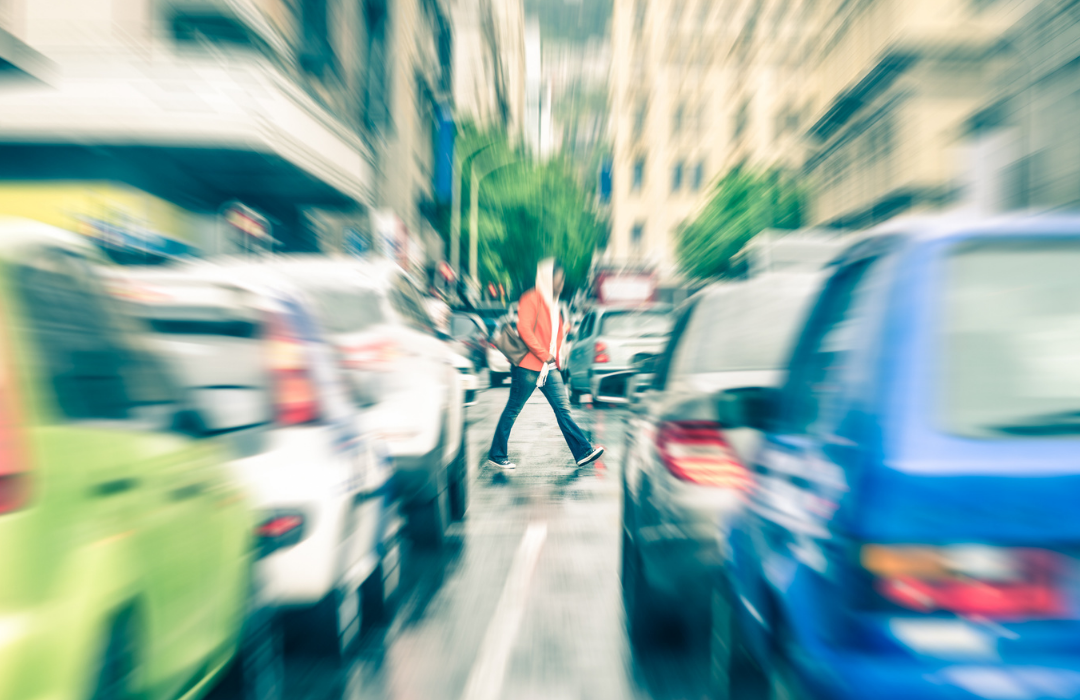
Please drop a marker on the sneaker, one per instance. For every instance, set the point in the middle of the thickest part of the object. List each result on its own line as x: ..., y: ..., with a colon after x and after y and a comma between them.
x: 592, y: 456
x: 505, y: 464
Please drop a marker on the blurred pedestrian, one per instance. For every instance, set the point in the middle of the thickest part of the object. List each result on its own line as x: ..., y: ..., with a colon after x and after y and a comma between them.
x: 542, y: 326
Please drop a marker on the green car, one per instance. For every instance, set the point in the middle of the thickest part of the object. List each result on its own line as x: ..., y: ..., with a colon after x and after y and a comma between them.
x: 126, y: 547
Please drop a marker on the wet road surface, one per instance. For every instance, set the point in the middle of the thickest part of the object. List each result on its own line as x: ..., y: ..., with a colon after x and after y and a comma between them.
x: 525, y: 602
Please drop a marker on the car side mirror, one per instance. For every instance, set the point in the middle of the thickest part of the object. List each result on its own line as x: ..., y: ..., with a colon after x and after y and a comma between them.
x: 747, y: 407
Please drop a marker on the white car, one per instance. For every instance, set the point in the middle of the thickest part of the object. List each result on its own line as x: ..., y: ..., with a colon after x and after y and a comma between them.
x: 498, y: 366
x: 403, y: 369
x: 245, y: 344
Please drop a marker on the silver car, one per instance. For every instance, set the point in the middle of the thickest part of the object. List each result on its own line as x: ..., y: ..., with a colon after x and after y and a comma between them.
x: 684, y: 473
x: 612, y: 339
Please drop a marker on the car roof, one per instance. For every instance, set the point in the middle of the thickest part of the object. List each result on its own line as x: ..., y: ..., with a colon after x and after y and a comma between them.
x: 943, y: 226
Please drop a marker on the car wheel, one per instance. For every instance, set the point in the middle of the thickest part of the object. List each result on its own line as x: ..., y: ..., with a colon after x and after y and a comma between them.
x: 495, y: 378
x: 733, y: 674
x: 115, y: 678
x: 459, y: 483
x: 641, y: 613
x: 377, y: 594
x: 258, y: 669
x: 333, y: 626
x: 429, y: 520
x: 575, y: 398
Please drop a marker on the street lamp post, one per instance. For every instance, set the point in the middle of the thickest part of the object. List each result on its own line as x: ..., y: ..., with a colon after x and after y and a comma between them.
x: 474, y: 215
x: 455, y: 211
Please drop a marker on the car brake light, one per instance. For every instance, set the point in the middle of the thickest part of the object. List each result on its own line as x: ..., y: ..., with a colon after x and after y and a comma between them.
x: 14, y: 462
x: 992, y: 582
x: 696, y: 451
x: 600, y: 351
x: 278, y: 531
x: 295, y: 400
x: 376, y: 356
x: 280, y: 525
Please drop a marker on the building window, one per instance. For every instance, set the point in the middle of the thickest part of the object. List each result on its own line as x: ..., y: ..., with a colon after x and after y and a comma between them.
x: 640, y: 7
x: 639, y: 174
x: 639, y: 117
x: 742, y: 118
x: 676, y: 177
x: 699, y: 176
x: 677, y: 119
x: 636, y: 234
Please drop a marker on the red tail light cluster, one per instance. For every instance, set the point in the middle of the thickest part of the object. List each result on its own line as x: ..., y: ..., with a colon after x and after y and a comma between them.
x: 696, y: 451
x: 600, y: 352
x: 993, y: 582
x: 14, y: 462
x: 295, y: 398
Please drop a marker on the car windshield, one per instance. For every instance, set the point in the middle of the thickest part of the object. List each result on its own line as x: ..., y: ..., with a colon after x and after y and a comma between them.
x: 348, y: 310
x: 635, y: 324
x: 1011, y: 339
x: 726, y: 333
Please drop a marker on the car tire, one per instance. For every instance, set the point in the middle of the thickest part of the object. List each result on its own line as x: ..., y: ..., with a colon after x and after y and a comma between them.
x: 733, y: 673
x: 115, y: 678
x: 258, y: 669
x: 459, y: 483
x: 428, y: 520
x: 333, y: 625
x: 575, y: 397
x: 642, y: 619
x: 378, y: 592
x: 496, y: 379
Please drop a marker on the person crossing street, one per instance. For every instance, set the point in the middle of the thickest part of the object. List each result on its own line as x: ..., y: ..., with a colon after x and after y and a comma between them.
x: 542, y: 328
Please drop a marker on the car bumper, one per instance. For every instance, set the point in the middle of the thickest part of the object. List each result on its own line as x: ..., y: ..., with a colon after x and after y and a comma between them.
x: 304, y: 472
x: 857, y: 675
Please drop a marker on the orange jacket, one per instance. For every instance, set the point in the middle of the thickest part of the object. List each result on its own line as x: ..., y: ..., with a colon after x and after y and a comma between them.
x: 534, y: 327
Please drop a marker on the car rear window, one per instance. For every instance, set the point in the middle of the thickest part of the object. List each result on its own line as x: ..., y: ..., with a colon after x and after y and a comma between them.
x: 636, y: 324
x: 727, y: 332
x: 344, y: 310
x: 1011, y: 339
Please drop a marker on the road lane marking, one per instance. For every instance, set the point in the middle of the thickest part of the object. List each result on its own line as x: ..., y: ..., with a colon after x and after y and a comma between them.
x: 489, y: 671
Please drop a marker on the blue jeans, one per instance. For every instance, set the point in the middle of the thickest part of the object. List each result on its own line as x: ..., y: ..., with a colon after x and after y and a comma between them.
x: 522, y: 383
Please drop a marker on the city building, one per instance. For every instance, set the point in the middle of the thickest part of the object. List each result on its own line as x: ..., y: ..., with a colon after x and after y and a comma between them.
x: 668, y: 123
x: 171, y: 112
x: 489, y: 63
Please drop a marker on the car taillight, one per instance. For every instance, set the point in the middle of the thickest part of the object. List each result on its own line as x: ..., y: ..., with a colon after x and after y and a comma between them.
x: 600, y: 352
x: 974, y: 579
x: 295, y: 398
x: 696, y: 451
x: 14, y: 461
x: 376, y: 356
x: 279, y: 530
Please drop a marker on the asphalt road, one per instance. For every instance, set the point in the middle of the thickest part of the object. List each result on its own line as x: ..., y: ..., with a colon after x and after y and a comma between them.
x: 525, y: 603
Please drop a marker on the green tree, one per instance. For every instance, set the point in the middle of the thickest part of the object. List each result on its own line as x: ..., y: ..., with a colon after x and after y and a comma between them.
x: 527, y: 211
x: 744, y: 203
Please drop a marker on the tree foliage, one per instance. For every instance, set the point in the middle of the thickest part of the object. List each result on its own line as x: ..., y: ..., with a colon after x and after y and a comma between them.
x: 743, y: 204
x: 527, y: 211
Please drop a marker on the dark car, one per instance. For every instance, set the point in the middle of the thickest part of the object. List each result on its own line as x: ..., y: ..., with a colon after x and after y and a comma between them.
x: 912, y: 528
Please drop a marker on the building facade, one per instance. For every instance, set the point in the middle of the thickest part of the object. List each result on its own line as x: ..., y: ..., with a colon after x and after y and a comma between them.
x: 669, y: 132
x: 489, y: 63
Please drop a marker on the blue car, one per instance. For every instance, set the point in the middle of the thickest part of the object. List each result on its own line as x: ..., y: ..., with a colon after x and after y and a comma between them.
x: 914, y: 527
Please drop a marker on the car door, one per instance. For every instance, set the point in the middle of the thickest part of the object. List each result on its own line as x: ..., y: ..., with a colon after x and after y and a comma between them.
x: 100, y: 380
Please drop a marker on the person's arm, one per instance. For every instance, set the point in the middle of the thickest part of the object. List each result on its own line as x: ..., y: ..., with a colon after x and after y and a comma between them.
x: 527, y: 310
